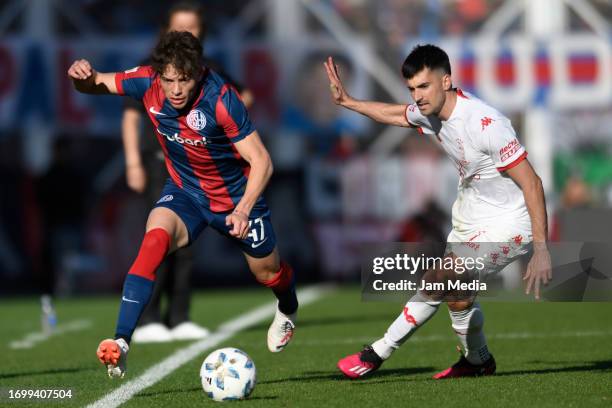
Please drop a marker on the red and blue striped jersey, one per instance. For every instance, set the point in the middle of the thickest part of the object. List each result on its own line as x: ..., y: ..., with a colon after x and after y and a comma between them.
x: 198, y: 140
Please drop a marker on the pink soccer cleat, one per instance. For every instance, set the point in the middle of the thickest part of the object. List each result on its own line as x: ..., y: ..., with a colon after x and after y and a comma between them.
x: 463, y: 368
x: 359, y: 364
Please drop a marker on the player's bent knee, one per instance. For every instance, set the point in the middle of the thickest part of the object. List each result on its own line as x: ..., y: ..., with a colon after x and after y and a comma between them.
x: 265, y: 272
x: 460, y: 305
x: 264, y: 268
x: 169, y: 221
x: 156, y: 238
x: 280, y: 279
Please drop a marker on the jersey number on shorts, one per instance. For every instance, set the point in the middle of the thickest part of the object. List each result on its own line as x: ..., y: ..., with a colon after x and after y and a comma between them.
x: 257, y: 233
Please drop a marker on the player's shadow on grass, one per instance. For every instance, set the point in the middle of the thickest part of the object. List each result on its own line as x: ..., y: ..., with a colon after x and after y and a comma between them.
x: 45, y: 372
x: 194, y: 390
x: 309, y: 376
x: 328, y: 321
x: 603, y: 365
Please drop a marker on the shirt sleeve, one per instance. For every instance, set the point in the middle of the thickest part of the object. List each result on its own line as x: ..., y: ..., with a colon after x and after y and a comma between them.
x: 232, y: 115
x: 500, y: 143
x: 417, y: 120
x: 134, y: 82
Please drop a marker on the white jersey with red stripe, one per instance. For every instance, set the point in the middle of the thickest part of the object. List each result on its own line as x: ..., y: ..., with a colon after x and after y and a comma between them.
x: 482, y: 144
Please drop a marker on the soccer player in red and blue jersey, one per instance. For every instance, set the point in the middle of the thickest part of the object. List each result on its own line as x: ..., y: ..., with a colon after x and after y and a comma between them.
x: 218, y: 170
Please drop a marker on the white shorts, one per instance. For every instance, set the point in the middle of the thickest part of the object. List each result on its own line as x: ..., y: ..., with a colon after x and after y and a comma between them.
x: 495, y: 247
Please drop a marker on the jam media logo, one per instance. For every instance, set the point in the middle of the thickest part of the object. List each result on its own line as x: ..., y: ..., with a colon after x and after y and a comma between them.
x: 196, y: 120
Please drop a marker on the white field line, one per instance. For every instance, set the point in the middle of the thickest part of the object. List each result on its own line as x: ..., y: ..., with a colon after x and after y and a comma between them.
x: 31, y: 339
x: 182, y: 356
x: 436, y: 337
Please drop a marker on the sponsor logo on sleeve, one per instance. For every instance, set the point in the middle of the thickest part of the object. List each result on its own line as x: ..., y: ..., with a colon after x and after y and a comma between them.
x: 508, y: 151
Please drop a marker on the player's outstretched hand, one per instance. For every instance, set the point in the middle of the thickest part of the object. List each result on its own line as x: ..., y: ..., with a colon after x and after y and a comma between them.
x: 539, y: 271
x: 81, y: 70
x: 240, y: 224
x: 338, y: 93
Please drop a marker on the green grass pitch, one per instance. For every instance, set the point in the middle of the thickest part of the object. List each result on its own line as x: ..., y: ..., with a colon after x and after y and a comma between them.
x: 548, y: 355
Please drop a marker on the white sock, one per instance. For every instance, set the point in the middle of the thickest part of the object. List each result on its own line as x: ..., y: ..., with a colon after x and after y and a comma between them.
x: 468, y: 325
x: 417, y: 311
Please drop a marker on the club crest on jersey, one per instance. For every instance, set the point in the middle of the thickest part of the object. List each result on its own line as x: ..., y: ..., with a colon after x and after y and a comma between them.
x: 196, y: 120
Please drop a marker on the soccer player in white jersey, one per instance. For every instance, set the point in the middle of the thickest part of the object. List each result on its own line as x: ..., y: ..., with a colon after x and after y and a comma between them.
x: 500, y: 200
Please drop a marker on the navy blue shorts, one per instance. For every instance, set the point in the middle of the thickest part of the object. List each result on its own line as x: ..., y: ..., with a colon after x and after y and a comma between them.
x: 259, y: 243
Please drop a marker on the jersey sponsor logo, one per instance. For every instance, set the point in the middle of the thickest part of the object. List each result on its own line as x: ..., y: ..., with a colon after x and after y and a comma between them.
x: 165, y: 199
x: 507, y: 151
x: 486, y: 121
x: 196, y: 120
x: 129, y: 71
x: 182, y: 140
x: 153, y: 111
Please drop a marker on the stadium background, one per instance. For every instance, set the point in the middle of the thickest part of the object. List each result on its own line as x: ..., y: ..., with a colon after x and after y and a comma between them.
x: 340, y: 180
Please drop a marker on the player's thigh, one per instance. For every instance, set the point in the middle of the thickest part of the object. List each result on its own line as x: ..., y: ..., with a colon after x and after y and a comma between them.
x: 488, y: 251
x: 178, y: 213
x: 259, y: 247
x: 168, y: 220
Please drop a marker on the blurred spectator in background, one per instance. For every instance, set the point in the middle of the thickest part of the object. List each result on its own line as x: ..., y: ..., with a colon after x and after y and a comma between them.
x: 576, y: 194
x: 429, y: 225
x: 308, y: 111
x: 61, y: 193
x: 146, y: 173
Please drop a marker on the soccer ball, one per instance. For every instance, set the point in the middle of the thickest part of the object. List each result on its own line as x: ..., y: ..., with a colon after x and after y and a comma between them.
x: 228, y: 374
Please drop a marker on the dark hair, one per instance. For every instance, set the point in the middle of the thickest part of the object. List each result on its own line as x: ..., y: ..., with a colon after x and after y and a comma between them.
x: 182, y: 50
x: 187, y: 7
x: 425, y: 56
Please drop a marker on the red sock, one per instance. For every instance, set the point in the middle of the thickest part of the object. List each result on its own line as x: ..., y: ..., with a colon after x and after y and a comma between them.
x: 281, y: 281
x: 153, y: 250
x: 284, y: 289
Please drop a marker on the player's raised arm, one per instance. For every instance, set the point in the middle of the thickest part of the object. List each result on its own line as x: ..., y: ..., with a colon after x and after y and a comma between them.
x: 387, y: 113
x: 88, y: 80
